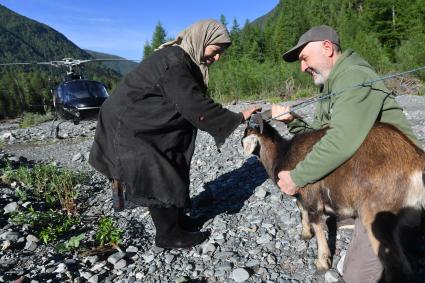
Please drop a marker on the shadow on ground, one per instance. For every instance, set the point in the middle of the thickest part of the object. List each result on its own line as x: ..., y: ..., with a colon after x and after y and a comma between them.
x: 228, y: 193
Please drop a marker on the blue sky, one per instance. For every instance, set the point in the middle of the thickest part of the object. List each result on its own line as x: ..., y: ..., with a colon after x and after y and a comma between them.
x: 121, y: 27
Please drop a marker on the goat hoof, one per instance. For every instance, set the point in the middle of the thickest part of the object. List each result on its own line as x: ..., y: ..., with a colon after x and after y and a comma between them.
x: 323, y: 264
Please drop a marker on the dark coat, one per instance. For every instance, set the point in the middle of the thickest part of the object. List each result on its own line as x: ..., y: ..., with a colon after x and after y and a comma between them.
x: 145, y: 136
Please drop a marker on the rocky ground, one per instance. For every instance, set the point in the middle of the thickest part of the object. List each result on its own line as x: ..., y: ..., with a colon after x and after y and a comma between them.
x: 255, y: 230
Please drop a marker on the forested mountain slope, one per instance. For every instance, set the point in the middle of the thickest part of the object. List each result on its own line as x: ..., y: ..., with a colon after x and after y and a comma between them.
x: 25, y: 88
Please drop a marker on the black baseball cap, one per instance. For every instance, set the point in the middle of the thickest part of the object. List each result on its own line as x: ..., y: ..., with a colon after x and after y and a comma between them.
x: 317, y: 33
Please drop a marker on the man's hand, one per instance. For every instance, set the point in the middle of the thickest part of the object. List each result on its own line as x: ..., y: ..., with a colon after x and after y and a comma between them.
x: 286, y: 184
x: 247, y: 113
x: 278, y: 110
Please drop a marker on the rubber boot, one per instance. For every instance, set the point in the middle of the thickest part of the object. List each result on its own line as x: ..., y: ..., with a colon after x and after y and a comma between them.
x: 169, y: 234
x: 188, y: 223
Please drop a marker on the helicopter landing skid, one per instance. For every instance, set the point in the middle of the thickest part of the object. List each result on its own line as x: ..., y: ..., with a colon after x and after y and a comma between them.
x: 55, y: 129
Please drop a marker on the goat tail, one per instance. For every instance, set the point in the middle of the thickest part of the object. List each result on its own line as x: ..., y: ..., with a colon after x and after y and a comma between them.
x: 415, y: 197
x: 422, y: 194
x: 423, y: 178
x: 423, y: 190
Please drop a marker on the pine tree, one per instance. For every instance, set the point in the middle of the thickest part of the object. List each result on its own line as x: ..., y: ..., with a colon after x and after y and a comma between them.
x: 236, y: 50
x: 379, y: 18
x: 252, y: 42
x: 223, y: 20
x: 158, y: 37
x: 147, y: 49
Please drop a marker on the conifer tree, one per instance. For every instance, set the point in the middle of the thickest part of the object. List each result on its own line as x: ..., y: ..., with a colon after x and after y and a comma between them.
x: 252, y: 42
x: 236, y: 49
x: 158, y: 37
x: 147, y: 49
x: 223, y: 20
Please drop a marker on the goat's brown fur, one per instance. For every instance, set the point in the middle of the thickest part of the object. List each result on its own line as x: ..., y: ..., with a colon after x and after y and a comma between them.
x: 385, y: 175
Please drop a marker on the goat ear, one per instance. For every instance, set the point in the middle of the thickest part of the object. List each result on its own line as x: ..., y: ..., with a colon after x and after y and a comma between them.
x: 249, y: 143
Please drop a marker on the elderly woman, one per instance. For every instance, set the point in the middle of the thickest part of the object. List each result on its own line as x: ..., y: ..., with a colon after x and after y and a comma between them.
x: 145, y: 136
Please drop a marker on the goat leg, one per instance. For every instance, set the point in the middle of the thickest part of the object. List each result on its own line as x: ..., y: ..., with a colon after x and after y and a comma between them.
x: 323, y: 261
x: 306, y: 233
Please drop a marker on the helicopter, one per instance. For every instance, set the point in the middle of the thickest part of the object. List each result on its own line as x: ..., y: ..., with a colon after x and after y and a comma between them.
x: 76, y: 97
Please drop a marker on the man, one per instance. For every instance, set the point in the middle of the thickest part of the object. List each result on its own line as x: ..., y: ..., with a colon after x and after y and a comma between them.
x: 349, y: 115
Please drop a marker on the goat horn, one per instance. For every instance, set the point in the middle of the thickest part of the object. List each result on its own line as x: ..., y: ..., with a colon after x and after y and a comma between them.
x: 266, y: 115
x: 258, y: 121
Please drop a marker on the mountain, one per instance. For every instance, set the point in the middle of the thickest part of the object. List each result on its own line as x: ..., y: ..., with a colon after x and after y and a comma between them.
x: 23, y: 39
x: 26, y: 40
x: 25, y: 86
x: 261, y: 21
x: 121, y: 67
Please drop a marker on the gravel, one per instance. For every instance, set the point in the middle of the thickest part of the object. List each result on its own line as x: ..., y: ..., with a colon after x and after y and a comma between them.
x: 255, y: 230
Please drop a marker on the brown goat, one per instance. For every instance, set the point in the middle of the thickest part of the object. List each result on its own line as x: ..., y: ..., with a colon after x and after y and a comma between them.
x: 384, y: 177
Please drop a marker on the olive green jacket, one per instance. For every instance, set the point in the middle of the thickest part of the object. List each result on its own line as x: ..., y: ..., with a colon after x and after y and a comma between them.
x: 349, y: 115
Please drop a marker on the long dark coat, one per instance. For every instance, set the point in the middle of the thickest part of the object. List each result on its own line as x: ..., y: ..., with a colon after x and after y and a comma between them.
x: 145, y: 135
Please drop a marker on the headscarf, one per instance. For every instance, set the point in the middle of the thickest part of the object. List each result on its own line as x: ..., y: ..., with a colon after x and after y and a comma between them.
x: 196, y: 37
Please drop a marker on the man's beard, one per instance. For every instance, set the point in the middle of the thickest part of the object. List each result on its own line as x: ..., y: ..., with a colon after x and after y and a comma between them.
x: 319, y: 77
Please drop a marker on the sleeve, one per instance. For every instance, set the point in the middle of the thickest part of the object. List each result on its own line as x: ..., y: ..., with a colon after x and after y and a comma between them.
x: 299, y: 126
x: 354, y: 113
x: 195, y: 106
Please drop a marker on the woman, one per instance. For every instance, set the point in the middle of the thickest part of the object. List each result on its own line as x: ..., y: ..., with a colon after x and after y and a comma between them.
x: 146, y: 131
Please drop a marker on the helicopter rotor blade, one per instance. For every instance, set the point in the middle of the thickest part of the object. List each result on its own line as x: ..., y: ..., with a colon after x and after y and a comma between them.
x: 10, y: 64
x: 66, y: 62
x: 23, y: 63
x: 99, y: 60
x: 53, y: 63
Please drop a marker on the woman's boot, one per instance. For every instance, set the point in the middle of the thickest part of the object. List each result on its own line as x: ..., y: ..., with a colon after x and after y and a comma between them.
x: 188, y: 223
x: 169, y: 233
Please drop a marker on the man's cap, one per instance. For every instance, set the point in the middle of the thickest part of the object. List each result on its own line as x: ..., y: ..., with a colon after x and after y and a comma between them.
x: 317, y: 33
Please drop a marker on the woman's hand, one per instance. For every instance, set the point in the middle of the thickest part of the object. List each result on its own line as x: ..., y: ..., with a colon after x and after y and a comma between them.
x: 278, y: 110
x: 247, y: 113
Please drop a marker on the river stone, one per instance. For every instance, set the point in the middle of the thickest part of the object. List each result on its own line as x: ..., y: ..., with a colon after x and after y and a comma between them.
x: 239, y: 275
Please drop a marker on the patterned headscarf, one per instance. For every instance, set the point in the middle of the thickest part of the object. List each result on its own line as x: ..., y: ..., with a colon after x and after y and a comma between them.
x: 196, y: 37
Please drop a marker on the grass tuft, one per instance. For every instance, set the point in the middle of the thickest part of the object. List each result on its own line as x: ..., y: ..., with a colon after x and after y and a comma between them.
x: 47, y: 182
x: 33, y: 119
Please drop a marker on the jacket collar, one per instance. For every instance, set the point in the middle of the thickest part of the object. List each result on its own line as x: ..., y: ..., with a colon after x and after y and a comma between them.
x: 337, y: 68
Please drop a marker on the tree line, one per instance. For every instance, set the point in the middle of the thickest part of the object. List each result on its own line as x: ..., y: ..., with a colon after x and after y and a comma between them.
x: 389, y: 34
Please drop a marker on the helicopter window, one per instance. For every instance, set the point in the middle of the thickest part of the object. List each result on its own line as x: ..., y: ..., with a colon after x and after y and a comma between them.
x: 97, y: 89
x: 60, y: 94
x: 85, y: 89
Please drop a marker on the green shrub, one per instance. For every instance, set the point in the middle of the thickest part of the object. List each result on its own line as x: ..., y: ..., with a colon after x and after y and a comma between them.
x: 48, y: 224
x: 107, y: 233
x: 411, y: 54
x: 33, y: 119
x: 247, y: 79
x: 48, y: 182
x: 72, y: 244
